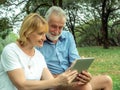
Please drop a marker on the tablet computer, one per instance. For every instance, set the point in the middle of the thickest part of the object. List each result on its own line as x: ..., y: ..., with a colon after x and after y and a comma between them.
x: 81, y: 64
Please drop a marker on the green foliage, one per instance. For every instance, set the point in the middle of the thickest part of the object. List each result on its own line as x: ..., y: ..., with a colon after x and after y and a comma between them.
x: 10, y: 38
x: 86, y: 14
x: 114, y: 35
x: 2, y: 1
x: 106, y: 62
x: 4, y: 24
x: 87, y: 34
x: 5, y: 27
x: 107, y: 10
x: 39, y: 6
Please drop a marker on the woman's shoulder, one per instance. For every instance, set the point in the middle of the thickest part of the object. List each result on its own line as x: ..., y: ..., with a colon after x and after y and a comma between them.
x: 10, y: 45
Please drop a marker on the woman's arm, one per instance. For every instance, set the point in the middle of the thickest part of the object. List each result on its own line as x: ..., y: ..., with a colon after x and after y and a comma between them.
x: 18, y: 79
x: 46, y: 74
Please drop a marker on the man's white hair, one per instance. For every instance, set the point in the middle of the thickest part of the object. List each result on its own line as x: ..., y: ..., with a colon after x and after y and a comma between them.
x: 56, y: 10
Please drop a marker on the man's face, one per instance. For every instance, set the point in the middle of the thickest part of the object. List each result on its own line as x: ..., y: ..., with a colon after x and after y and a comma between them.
x: 56, y: 25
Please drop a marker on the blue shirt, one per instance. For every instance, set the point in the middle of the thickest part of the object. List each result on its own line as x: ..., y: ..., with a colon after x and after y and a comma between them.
x: 59, y: 56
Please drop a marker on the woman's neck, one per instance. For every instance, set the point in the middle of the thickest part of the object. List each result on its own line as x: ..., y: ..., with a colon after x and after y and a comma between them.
x: 28, y: 49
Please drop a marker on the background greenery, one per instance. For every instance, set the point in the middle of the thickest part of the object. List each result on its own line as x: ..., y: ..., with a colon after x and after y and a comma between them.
x: 9, y: 38
x: 107, y: 61
x: 92, y: 23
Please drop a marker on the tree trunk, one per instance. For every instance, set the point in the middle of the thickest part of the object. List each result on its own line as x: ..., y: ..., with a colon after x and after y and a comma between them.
x: 57, y: 3
x: 60, y: 3
x: 104, y: 32
x: 73, y: 32
x: 104, y: 29
x: 54, y: 2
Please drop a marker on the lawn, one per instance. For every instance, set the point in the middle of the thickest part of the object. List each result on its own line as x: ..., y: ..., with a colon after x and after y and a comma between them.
x: 107, y: 61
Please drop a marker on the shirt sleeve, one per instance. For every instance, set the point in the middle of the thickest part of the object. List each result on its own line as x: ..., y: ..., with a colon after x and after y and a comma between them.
x: 73, y: 52
x: 9, y: 59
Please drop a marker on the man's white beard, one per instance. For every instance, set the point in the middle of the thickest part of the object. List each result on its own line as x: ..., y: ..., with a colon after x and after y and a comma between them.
x: 51, y: 37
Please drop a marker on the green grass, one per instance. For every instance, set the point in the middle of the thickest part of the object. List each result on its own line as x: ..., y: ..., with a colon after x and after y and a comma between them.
x: 107, y: 61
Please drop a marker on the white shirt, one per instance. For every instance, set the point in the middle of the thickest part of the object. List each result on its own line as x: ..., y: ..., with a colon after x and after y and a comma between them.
x: 12, y: 58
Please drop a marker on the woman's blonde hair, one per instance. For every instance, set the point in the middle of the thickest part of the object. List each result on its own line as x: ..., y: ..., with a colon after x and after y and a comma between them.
x: 30, y: 24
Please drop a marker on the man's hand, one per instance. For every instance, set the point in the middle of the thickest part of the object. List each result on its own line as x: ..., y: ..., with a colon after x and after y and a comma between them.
x: 82, y: 78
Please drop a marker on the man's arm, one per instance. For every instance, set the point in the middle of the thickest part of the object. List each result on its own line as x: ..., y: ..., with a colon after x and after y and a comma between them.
x: 73, y: 52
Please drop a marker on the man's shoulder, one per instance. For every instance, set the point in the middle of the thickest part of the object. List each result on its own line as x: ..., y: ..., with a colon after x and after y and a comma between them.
x: 66, y: 34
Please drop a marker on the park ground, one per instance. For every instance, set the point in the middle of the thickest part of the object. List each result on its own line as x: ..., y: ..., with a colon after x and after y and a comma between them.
x: 107, y: 61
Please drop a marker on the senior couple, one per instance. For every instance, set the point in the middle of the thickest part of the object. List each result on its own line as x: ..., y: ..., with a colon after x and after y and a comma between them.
x: 24, y: 67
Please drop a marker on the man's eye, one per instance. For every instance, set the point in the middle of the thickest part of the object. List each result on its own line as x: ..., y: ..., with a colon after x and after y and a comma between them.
x: 60, y: 27
x: 54, y: 26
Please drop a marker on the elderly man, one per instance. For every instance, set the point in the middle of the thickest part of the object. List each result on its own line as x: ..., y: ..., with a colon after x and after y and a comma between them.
x: 60, y: 51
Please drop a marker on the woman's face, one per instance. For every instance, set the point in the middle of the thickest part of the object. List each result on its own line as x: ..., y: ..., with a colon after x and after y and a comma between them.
x: 37, y: 38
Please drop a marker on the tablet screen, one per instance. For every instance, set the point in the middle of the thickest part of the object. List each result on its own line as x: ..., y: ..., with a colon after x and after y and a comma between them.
x: 81, y: 64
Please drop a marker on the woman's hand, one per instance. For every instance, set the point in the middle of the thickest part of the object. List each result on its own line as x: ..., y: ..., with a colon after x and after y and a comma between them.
x: 67, y: 77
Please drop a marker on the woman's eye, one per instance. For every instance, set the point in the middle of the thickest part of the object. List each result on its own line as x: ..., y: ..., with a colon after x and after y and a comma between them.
x: 40, y: 33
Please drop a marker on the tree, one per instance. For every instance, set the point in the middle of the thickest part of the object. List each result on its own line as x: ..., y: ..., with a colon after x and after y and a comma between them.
x: 2, y: 1
x: 5, y: 27
x: 72, y: 13
x: 107, y: 9
x: 41, y: 6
